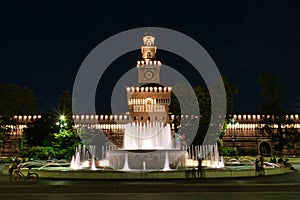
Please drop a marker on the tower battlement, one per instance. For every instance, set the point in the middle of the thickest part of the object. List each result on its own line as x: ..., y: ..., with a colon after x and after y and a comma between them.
x: 149, y: 89
x: 148, y: 63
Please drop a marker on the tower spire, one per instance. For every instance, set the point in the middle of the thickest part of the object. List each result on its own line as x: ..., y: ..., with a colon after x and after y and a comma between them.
x: 148, y: 67
x: 149, y: 48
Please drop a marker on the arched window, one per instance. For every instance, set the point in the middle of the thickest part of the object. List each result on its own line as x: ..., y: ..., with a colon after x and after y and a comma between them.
x: 149, y: 54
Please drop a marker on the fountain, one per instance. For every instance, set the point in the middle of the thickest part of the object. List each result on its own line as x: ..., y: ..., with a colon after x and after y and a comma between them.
x: 149, y: 135
x: 146, y: 146
x: 209, y: 153
x: 147, y: 141
x: 84, y: 158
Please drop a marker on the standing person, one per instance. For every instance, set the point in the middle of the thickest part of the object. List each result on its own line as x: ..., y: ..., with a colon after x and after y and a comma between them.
x: 193, y: 173
x: 257, y: 169
x: 274, y: 160
x: 200, y: 168
x: 262, y: 170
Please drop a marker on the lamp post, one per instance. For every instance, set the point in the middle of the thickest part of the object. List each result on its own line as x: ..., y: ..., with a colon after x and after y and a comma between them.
x: 235, y: 124
x: 61, y: 122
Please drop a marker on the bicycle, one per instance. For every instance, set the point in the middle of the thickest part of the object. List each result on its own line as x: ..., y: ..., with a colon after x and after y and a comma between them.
x: 17, y: 176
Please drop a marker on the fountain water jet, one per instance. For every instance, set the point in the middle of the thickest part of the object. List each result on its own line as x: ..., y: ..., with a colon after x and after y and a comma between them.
x: 167, y: 165
x: 126, y: 167
x: 84, y: 157
x: 149, y: 135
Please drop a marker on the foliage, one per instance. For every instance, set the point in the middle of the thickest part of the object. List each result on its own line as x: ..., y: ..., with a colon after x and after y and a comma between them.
x: 228, y: 151
x: 204, y: 103
x: 231, y: 90
x: 65, y: 106
x: 273, y: 94
x: 205, y: 111
x: 275, y: 124
x: 44, y: 138
x: 59, y: 145
x: 16, y: 100
x: 4, y: 129
x: 38, y: 152
x: 65, y: 142
x: 248, y: 152
x: 40, y: 132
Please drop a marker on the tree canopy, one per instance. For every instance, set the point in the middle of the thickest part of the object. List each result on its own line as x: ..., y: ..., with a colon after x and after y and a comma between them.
x: 204, y: 103
x: 52, y: 135
x: 16, y: 100
x: 273, y: 94
x: 275, y: 124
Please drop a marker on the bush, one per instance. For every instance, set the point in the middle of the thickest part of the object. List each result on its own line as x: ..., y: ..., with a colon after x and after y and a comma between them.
x: 227, y: 151
x: 38, y: 152
x: 248, y: 152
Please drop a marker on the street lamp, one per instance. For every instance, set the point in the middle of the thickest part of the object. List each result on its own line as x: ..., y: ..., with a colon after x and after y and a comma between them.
x: 61, y: 123
x: 235, y: 124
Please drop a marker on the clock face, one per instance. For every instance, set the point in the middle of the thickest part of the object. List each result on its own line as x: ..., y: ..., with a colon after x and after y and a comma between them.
x: 149, y: 75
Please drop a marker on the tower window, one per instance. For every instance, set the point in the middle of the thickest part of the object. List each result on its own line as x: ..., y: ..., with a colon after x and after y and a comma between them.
x: 148, y: 118
x: 148, y: 54
x: 142, y: 118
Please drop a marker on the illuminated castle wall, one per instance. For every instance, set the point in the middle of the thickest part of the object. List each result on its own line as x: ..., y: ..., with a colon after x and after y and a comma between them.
x: 245, y: 133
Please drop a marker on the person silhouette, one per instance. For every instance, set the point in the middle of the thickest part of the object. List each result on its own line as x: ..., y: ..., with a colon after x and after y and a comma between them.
x: 200, y: 168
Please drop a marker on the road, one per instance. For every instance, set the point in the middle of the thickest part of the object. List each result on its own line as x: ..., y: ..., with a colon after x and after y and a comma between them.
x: 285, y: 186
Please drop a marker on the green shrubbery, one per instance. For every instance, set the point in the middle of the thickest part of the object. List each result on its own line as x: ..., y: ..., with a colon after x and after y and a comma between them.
x: 63, y: 145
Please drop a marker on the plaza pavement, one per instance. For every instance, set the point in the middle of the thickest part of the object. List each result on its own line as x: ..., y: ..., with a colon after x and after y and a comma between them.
x: 283, y: 186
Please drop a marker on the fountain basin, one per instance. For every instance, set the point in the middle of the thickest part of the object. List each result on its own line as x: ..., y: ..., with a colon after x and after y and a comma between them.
x: 146, y: 159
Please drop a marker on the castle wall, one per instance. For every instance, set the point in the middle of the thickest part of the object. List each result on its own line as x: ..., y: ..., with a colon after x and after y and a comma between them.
x: 246, y: 133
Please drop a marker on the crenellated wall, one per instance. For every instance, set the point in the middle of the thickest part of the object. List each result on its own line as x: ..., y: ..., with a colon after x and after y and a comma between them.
x: 244, y: 134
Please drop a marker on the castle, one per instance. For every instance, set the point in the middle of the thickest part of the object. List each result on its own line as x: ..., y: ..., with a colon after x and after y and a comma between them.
x: 149, y: 103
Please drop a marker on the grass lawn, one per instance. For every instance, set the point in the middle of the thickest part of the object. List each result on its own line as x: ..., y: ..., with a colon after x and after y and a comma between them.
x: 267, y: 159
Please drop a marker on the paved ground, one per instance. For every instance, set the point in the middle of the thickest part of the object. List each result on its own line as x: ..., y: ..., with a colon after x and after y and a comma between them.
x: 270, y: 187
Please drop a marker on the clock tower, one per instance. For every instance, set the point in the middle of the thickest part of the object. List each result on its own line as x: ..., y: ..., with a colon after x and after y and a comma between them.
x: 149, y: 103
x: 148, y: 67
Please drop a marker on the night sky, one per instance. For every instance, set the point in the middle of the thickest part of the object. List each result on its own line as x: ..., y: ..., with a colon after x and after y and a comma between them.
x: 44, y: 44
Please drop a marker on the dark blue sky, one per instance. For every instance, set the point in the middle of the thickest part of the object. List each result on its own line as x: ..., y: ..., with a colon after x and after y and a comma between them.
x: 43, y: 44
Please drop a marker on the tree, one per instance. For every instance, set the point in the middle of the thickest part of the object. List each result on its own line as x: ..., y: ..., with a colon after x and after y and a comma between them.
x: 64, y: 108
x: 16, y: 100
x: 205, y: 111
x: 231, y: 90
x: 40, y: 132
x: 65, y: 142
x: 4, y: 129
x: 65, y: 103
x: 204, y: 103
x: 273, y: 94
x: 275, y: 124
x: 52, y: 135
